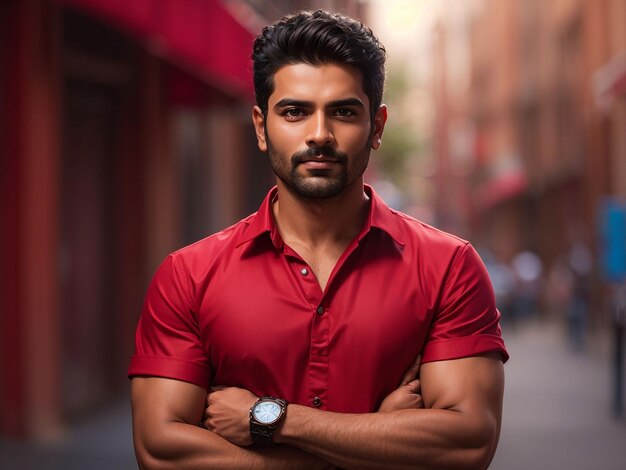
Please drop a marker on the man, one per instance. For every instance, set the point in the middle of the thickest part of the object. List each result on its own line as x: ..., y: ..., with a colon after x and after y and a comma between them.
x: 321, y: 301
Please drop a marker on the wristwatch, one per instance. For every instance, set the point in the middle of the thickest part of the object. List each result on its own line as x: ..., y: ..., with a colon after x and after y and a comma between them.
x: 265, y: 416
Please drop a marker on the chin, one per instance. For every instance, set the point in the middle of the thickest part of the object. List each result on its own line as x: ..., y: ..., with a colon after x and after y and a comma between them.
x: 323, y: 190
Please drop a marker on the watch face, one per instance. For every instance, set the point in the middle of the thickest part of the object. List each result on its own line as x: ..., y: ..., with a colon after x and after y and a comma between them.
x: 266, y: 412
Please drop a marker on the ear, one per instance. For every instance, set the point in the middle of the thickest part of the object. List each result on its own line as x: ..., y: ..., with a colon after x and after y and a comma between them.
x: 379, y: 126
x: 258, y: 119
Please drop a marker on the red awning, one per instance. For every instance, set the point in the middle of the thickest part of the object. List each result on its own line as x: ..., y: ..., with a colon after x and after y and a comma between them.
x: 610, y: 81
x: 201, y: 35
x: 500, y: 188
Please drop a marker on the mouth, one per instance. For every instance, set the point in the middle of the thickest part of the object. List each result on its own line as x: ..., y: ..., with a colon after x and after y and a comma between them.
x: 319, y: 163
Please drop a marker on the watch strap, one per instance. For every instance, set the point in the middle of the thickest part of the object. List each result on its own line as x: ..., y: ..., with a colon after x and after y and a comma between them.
x: 262, y: 435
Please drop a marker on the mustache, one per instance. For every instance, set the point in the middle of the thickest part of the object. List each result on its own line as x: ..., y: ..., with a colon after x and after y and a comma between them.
x: 318, y: 151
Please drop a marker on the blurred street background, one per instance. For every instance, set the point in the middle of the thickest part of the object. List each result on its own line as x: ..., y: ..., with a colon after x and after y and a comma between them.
x: 125, y: 134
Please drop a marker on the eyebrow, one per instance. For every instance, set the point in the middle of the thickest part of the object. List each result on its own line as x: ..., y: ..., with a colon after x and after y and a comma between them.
x: 309, y: 104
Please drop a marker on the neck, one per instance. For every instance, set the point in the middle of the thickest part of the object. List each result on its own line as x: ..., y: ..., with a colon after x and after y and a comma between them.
x: 317, y: 222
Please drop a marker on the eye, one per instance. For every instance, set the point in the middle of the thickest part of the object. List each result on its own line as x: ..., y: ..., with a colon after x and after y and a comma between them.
x: 345, y: 113
x: 293, y: 114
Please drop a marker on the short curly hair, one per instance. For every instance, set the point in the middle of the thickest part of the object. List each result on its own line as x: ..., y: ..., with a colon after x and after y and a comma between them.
x: 315, y: 38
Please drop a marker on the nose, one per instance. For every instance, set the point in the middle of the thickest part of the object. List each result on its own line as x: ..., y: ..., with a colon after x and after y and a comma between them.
x: 319, y: 132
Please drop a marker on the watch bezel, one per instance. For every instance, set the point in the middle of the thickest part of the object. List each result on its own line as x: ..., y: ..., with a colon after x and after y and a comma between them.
x: 261, y: 402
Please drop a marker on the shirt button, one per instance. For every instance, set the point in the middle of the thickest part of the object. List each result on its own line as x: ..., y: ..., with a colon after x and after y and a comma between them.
x: 320, y: 310
x: 317, y: 402
x: 304, y: 271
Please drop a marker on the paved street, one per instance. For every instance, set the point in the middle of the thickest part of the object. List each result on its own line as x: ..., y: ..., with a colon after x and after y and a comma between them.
x: 102, y: 442
x: 557, y: 406
x: 557, y: 416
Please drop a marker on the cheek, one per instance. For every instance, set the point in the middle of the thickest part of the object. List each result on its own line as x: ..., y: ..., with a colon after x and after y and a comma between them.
x: 285, y: 140
x: 357, y: 140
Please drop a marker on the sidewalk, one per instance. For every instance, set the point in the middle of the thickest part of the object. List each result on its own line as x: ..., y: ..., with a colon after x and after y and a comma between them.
x: 557, y: 406
x: 102, y: 442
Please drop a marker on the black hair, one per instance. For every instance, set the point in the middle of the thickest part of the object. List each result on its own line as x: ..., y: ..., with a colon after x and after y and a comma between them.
x: 316, y: 38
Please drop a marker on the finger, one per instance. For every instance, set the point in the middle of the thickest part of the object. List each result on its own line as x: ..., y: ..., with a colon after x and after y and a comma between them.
x: 412, y: 371
x: 414, y: 386
x: 205, y: 418
x: 419, y: 401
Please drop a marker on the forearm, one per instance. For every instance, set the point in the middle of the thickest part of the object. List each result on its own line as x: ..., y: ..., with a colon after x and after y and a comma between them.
x: 184, y: 446
x: 165, y: 436
x: 423, y: 439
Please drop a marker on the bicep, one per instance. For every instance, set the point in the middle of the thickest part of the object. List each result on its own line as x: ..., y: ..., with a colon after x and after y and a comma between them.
x: 473, y: 386
x: 157, y: 402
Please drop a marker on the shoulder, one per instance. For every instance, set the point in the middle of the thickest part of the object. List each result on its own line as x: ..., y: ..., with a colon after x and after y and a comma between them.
x: 429, y: 240
x: 220, y: 245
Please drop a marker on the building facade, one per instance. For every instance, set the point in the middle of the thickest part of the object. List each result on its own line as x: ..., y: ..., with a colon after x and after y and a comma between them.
x: 124, y: 134
x: 544, y: 102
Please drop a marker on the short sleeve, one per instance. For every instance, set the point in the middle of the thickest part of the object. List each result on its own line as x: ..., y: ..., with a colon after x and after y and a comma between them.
x: 167, y: 341
x: 466, y: 322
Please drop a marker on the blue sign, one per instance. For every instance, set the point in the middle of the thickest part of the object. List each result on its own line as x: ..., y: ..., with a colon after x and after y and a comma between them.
x: 613, y: 240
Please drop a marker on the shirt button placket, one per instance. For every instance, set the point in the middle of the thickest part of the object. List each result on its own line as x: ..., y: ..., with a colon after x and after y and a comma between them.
x: 318, y: 367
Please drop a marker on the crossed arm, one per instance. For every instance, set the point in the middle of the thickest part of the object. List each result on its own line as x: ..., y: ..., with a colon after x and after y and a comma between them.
x: 459, y: 427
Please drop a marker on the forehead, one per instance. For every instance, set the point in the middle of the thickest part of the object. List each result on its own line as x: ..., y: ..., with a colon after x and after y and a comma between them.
x: 318, y: 83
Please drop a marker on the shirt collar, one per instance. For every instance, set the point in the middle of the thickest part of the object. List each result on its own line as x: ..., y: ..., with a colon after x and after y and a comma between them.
x: 380, y: 216
x: 262, y: 222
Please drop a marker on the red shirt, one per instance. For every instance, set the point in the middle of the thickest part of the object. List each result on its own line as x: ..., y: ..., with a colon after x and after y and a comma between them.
x: 241, y: 308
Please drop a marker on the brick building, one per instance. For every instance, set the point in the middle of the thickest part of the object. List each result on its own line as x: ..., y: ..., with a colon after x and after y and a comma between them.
x: 544, y: 106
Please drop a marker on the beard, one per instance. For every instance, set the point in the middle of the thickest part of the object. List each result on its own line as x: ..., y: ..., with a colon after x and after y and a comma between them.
x: 318, y: 183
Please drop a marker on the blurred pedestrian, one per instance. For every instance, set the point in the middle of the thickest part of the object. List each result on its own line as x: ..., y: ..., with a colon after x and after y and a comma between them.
x: 560, y: 285
x: 529, y: 282
x: 503, y: 280
x: 581, y: 266
x: 308, y: 321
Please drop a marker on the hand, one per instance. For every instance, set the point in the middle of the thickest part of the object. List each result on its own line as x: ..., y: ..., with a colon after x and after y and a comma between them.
x: 228, y: 414
x: 408, y: 394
